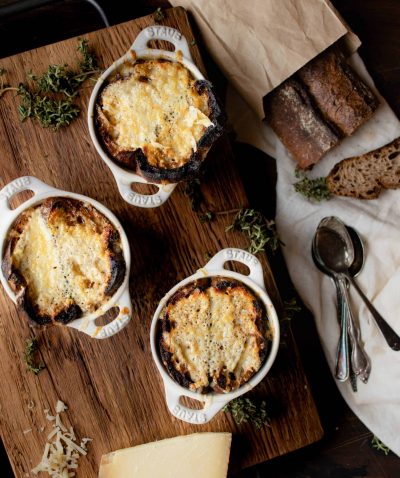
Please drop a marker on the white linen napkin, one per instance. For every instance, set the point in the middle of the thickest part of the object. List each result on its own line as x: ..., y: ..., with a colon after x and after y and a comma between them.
x: 377, y: 403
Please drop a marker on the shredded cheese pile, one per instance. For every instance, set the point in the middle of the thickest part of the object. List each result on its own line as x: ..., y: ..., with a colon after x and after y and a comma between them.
x: 61, y: 455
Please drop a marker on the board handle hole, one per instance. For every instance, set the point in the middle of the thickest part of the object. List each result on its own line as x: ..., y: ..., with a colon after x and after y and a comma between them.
x: 19, y: 198
x: 236, y: 266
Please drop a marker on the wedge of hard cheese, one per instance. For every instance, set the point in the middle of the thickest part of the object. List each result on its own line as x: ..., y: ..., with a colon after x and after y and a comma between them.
x: 201, y: 455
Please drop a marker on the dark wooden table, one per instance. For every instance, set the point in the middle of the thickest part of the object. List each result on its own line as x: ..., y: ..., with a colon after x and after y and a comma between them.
x: 345, y: 451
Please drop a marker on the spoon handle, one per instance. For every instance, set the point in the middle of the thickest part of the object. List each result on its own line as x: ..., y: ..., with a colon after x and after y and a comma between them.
x: 360, y: 362
x: 342, y: 358
x: 390, y: 335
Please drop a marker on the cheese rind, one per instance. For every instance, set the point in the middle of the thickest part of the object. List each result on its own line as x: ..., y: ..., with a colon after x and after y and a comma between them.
x: 200, y: 455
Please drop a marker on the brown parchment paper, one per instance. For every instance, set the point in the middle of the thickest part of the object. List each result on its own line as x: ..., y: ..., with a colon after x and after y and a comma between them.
x: 260, y: 43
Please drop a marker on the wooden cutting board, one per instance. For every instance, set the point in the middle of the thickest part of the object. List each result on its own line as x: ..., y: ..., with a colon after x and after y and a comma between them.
x: 111, y: 386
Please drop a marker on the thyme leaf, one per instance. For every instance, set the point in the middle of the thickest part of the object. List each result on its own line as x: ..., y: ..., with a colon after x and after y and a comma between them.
x: 207, y: 256
x: 208, y: 216
x: 246, y: 410
x: 315, y: 190
x: 158, y: 15
x: 379, y: 445
x: 193, y: 192
x: 3, y: 85
x: 261, y: 231
x: 292, y: 308
x: 31, y: 347
x: 89, y: 61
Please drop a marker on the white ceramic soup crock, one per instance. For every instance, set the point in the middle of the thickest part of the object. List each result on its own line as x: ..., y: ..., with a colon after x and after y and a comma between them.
x: 124, y: 178
x: 214, y: 402
x: 42, y: 191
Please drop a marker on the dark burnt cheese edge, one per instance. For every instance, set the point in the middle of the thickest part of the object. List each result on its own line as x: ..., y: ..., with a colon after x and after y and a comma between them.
x: 136, y: 161
x: 17, y: 281
x: 262, y: 322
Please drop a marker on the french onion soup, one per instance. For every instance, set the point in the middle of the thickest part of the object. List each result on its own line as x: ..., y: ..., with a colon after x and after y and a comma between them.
x: 214, y: 335
x: 63, y: 259
x: 155, y: 119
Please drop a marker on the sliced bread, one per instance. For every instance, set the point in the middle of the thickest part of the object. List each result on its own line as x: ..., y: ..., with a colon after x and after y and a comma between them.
x: 365, y: 176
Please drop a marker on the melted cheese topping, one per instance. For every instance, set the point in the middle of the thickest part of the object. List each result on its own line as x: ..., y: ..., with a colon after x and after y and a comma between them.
x: 156, y: 108
x: 62, y: 264
x: 213, y: 334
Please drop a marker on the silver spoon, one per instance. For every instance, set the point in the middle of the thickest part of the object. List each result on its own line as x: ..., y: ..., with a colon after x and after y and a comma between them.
x: 336, y: 251
x: 342, y: 369
x: 360, y: 359
x: 360, y: 363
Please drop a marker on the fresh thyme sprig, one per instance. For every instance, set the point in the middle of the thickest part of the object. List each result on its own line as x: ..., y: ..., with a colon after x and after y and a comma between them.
x: 31, y: 348
x: 292, y: 308
x: 193, y: 192
x: 315, y: 190
x: 158, y: 15
x: 379, y: 445
x: 57, y: 79
x: 207, y: 256
x: 3, y: 85
x: 89, y: 63
x: 261, y: 231
x: 49, y: 112
x: 246, y: 410
x: 48, y: 98
x: 208, y: 216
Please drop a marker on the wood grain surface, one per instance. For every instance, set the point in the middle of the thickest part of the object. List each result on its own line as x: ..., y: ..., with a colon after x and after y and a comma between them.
x: 112, y: 387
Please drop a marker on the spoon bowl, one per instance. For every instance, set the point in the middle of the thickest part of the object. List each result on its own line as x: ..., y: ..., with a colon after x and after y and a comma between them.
x: 359, y: 258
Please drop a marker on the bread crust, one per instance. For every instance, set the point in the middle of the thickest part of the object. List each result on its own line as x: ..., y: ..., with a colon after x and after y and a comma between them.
x: 338, y: 92
x: 365, y: 176
x: 137, y: 160
x: 65, y: 214
x: 322, y: 103
x: 299, y: 125
x: 215, y: 329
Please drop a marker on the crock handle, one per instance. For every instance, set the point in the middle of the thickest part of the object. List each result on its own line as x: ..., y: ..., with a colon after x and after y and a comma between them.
x: 144, y: 200
x: 239, y: 255
x: 161, y: 32
x: 189, y: 415
x: 105, y: 331
x: 24, y: 183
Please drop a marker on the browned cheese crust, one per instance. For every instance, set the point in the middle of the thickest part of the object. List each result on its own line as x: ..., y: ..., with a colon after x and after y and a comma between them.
x: 365, y: 176
x: 156, y: 120
x: 62, y: 259
x: 214, y: 335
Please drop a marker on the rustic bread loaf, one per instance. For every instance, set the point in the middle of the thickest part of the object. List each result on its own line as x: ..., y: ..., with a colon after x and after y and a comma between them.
x: 298, y: 124
x: 364, y: 176
x: 318, y: 106
x: 62, y: 259
x: 156, y: 119
x: 214, y: 335
x: 340, y: 95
